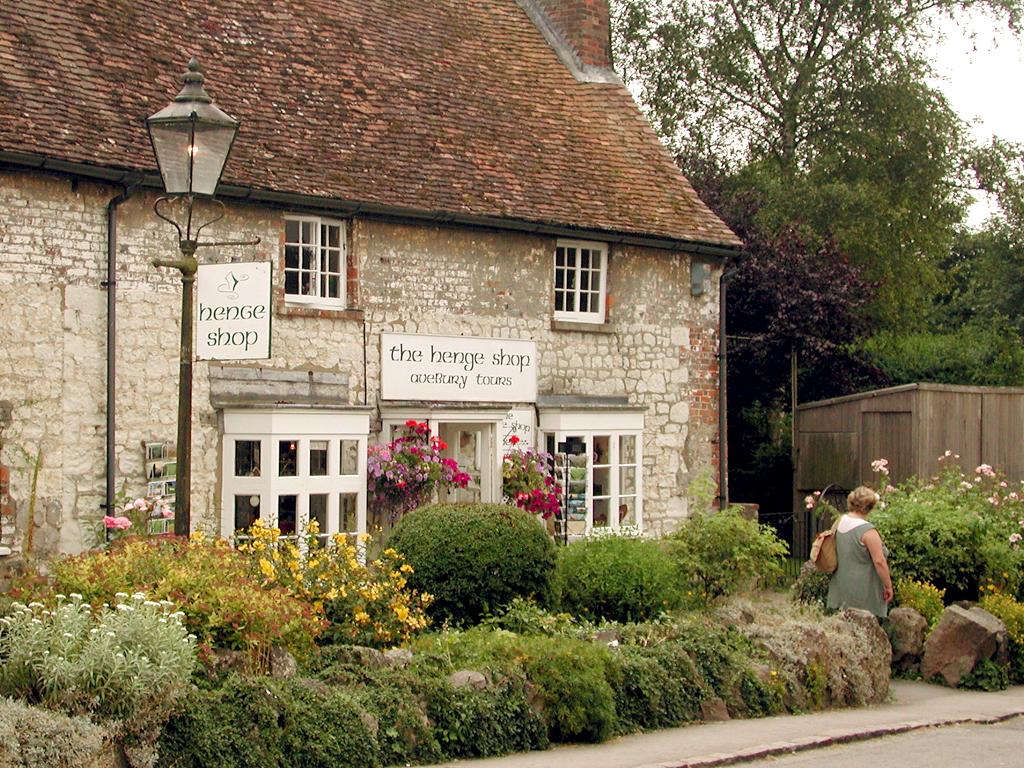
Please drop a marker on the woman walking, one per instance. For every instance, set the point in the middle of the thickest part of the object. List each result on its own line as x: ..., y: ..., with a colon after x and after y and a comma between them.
x: 861, y: 580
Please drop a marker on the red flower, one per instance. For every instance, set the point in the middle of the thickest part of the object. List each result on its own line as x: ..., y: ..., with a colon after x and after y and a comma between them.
x: 514, y: 439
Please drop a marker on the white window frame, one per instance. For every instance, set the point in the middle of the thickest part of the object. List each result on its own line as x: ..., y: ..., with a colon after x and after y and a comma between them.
x: 557, y: 426
x: 271, y: 426
x: 574, y: 280
x: 321, y: 272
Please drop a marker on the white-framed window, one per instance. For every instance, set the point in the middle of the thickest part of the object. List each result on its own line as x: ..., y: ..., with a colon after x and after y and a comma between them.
x: 287, y: 466
x: 581, y: 270
x: 599, y: 462
x: 315, y: 262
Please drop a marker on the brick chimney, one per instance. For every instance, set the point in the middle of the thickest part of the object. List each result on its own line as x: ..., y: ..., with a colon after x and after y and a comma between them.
x: 586, y: 26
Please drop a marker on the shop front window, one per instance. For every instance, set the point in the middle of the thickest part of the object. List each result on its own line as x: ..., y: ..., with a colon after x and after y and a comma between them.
x: 288, y: 468
x: 599, y: 469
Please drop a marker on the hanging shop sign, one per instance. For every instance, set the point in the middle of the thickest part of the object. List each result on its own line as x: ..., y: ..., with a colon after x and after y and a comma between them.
x: 233, y: 312
x: 463, y: 369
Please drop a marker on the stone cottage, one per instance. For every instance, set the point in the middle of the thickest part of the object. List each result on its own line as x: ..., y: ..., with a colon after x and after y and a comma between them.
x: 463, y: 217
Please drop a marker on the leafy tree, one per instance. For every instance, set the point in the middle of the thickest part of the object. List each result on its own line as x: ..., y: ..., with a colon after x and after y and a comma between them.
x: 824, y: 108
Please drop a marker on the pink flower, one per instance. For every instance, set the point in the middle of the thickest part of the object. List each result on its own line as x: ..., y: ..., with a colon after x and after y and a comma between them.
x: 986, y: 470
x: 117, y: 523
x: 166, y: 512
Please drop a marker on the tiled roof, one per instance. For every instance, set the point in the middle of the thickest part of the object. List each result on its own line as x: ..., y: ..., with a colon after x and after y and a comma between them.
x: 454, y: 106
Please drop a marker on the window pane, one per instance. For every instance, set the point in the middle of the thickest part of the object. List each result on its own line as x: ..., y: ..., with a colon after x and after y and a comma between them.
x: 288, y: 458
x: 333, y: 287
x: 601, y: 453
x: 247, y: 510
x: 318, y: 510
x: 291, y: 257
x: 602, y: 477
x: 627, y: 480
x: 349, y: 457
x: 318, y: 458
x: 627, y: 511
x: 286, y: 509
x: 247, y: 458
x: 347, y: 512
x: 601, y: 512
x: 307, y: 232
x: 291, y: 231
x: 308, y: 258
x: 627, y: 449
x: 291, y: 282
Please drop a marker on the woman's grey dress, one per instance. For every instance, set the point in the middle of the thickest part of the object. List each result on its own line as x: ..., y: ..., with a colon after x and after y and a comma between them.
x: 855, y: 582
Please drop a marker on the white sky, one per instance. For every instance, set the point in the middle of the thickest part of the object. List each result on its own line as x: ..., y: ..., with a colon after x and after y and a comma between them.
x: 985, y: 82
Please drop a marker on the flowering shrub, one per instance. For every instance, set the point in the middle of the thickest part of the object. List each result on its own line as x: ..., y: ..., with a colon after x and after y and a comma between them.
x: 130, y: 663
x: 365, y: 603
x: 924, y: 598
x: 957, y: 530
x: 405, y: 473
x: 527, y: 481
x: 211, y: 582
x: 1011, y: 613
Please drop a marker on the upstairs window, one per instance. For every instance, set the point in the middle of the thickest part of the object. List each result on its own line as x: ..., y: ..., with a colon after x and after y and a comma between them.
x: 315, y: 260
x: 580, y: 276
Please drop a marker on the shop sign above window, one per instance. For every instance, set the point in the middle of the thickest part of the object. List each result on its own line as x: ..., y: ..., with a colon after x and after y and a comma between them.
x: 233, y: 318
x: 458, y: 368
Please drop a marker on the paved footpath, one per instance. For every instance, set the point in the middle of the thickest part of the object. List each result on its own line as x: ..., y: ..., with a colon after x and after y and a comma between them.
x: 911, y: 706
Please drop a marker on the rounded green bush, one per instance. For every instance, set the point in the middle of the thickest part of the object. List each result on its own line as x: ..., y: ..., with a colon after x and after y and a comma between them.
x: 616, y: 578
x: 474, y: 558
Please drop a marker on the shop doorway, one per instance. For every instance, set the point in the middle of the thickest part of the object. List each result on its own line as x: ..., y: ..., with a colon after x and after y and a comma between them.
x: 472, y: 446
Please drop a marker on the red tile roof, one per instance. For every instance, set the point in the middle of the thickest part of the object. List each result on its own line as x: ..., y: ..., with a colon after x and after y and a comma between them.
x: 453, y: 106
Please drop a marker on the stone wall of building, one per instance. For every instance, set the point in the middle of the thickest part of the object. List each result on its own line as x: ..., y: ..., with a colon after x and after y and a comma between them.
x: 658, y: 348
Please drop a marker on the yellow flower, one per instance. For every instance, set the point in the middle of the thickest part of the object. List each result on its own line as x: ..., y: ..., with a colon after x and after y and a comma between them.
x: 361, y: 616
x: 266, y: 568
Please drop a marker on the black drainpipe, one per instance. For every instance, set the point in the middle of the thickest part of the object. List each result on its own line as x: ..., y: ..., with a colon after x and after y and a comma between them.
x: 111, y: 285
x: 723, y: 415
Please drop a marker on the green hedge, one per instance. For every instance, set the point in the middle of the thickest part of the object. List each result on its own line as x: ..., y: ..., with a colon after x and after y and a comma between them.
x: 616, y: 578
x: 474, y: 558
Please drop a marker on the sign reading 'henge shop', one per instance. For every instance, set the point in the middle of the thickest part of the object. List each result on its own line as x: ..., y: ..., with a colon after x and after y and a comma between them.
x: 461, y: 369
x: 233, y: 311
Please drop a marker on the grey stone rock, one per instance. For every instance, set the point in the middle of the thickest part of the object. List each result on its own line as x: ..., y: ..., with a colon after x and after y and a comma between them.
x: 713, y: 709
x: 398, y: 657
x: 468, y: 679
x: 282, y: 664
x: 906, y: 630
x: 877, y: 664
x: 962, y: 638
x: 611, y: 638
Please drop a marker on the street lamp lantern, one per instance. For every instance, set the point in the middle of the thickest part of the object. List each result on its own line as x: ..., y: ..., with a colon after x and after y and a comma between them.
x: 192, y: 138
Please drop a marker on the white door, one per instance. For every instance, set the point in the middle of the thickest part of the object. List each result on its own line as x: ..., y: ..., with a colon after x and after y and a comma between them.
x: 473, y: 448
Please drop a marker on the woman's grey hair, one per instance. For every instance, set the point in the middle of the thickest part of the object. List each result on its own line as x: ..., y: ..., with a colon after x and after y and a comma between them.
x: 861, y: 500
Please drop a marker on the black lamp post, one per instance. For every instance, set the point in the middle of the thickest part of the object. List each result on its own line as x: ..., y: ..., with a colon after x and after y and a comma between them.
x: 191, y: 139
